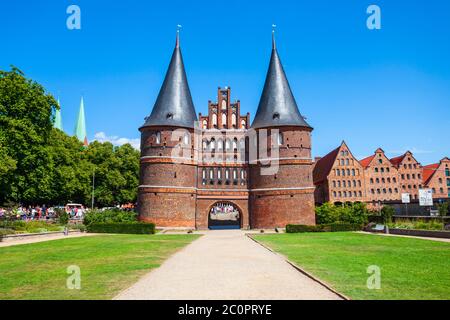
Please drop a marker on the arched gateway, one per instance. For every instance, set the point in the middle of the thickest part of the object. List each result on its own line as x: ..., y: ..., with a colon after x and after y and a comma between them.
x: 224, y: 215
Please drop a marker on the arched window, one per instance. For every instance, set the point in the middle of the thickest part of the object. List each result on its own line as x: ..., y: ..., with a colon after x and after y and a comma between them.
x: 242, y: 144
x: 227, y: 144
x: 347, y: 162
x: 353, y: 172
x: 186, y: 138
x: 211, y: 174
x: 214, y: 119
x: 242, y: 174
x: 235, y: 142
x: 334, y: 184
x: 204, y: 144
x: 219, y: 174
x: 158, y: 137
x: 205, y: 124
x: 280, y: 139
x: 235, y: 174
x: 227, y: 174
x: 224, y: 119
x: 224, y: 104
x: 213, y: 144
x: 219, y: 144
x: 233, y: 120
x: 243, y: 124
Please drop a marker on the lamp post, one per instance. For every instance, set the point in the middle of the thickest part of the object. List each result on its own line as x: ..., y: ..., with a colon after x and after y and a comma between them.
x: 93, y: 189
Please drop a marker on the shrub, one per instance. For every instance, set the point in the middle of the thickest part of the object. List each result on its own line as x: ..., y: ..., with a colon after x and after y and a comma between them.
x: 326, y: 213
x: 109, y: 216
x: 79, y: 227
x: 356, y: 213
x: 125, y: 228
x: 63, y: 217
x: 330, y: 227
x: 301, y: 228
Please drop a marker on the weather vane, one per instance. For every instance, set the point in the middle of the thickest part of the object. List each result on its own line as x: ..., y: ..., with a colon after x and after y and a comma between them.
x: 273, y: 27
x: 179, y: 26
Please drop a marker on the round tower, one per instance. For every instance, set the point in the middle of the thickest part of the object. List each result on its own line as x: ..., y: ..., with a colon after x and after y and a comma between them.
x: 167, y: 191
x: 281, y: 184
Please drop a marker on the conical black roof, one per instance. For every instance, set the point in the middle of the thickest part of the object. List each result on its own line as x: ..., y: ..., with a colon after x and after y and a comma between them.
x: 277, y: 106
x: 174, y: 106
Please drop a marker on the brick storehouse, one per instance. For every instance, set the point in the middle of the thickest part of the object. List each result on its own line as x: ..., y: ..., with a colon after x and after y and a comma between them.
x: 437, y: 178
x: 218, y: 171
x: 339, y: 177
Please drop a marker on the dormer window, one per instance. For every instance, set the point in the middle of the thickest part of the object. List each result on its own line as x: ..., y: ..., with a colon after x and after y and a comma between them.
x: 169, y: 115
x: 276, y: 116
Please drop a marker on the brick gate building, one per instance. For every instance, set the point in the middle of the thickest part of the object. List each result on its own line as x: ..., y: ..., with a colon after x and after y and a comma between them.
x: 217, y: 171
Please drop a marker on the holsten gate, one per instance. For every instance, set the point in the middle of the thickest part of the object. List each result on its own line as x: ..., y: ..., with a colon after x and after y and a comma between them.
x: 217, y: 170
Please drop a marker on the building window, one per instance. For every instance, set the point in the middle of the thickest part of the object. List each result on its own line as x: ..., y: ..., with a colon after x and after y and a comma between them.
x: 186, y: 139
x: 360, y: 193
x: 334, y: 184
x: 334, y: 194
x: 447, y: 172
x: 344, y: 184
x: 353, y: 172
x: 280, y: 138
x: 235, y: 141
x: 205, y: 124
x: 227, y: 144
x: 371, y: 180
x: 347, y: 162
x: 224, y: 120
x: 158, y: 137
x: 214, y: 120
x: 219, y: 175
x: 338, y: 172
x: 243, y: 124
x: 376, y: 170
x: 233, y: 120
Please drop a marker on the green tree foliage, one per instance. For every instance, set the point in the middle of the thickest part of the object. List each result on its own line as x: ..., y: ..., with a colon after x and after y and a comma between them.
x: 350, y: 213
x: 40, y: 164
x: 443, y: 209
x: 387, y: 212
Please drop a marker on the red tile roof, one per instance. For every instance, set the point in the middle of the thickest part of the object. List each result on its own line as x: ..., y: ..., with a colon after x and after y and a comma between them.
x: 397, y: 160
x: 428, y: 172
x: 323, y: 166
x: 366, y: 161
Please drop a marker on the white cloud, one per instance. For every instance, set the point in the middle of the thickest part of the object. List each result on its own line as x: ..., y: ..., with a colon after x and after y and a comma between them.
x: 117, y: 141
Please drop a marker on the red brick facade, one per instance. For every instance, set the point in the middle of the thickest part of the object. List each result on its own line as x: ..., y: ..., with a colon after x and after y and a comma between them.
x: 182, y: 178
x: 339, y: 178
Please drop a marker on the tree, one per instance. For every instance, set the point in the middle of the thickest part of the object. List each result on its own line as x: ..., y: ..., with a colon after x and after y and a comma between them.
x: 40, y: 164
x: 25, y: 124
x: 387, y: 212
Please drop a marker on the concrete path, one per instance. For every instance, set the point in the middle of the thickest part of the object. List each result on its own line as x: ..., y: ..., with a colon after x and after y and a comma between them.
x: 42, y: 238
x: 225, y: 265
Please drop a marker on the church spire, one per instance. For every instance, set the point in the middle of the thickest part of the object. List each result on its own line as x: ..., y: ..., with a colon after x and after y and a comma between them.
x: 80, y: 128
x: 277, y: 106
x: 174, y: 106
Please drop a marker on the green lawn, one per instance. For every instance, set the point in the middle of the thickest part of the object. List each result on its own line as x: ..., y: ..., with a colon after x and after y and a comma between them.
x: 410, y: 268
x: 108, y: 264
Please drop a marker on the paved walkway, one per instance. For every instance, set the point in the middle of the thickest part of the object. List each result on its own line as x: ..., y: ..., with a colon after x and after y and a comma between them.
x: 225, y: 265
x: 42, y: 238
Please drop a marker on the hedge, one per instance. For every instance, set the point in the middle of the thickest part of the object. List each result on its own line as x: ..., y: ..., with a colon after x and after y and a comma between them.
x: 331, y: 227
x: 126, y: 228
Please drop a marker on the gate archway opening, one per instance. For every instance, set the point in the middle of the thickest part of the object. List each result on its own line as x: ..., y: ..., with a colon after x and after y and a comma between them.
x: 224, y: 215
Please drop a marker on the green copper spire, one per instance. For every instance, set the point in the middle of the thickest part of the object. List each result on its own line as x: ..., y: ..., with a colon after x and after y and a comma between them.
x: 80, y: 128
x: 58, y: 120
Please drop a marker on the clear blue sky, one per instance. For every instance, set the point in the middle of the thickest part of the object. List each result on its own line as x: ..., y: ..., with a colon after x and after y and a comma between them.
x: 387, y: 88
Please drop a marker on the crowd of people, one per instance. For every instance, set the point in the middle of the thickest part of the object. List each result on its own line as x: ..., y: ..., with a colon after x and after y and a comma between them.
x: 41, y: 212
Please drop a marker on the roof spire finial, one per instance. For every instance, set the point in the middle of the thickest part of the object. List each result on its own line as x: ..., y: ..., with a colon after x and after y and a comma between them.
x: 273, y: 36
x: 179, y: 26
